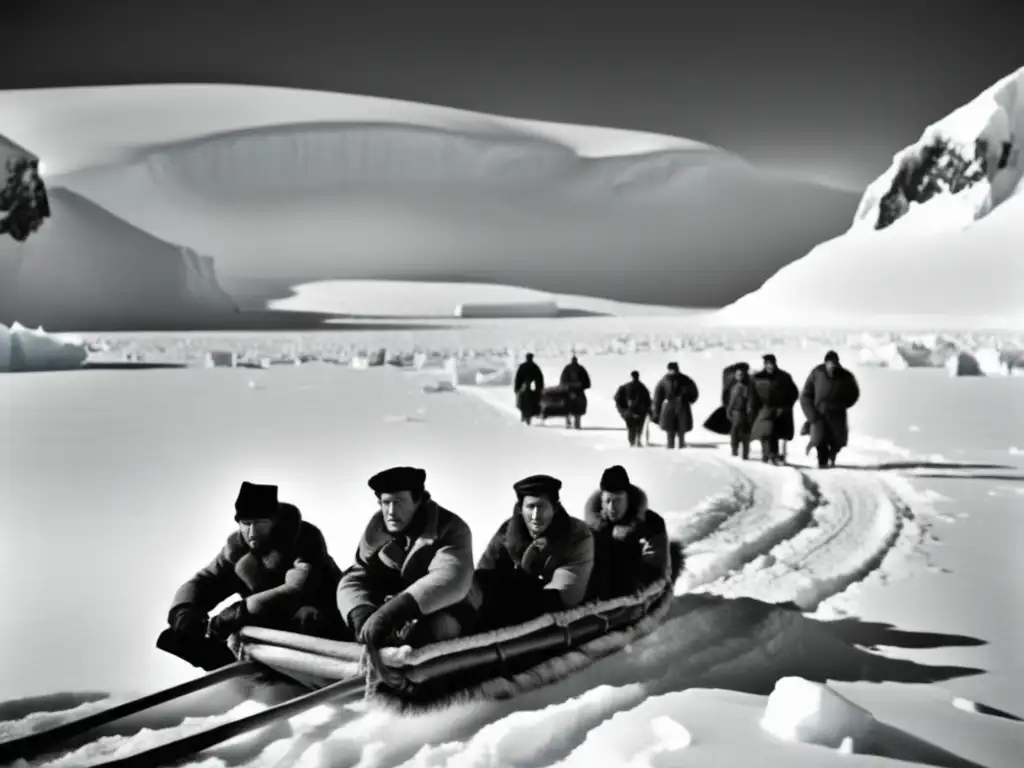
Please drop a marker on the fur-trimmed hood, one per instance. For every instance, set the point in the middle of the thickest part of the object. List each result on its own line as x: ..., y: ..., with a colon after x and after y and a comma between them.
x: 636, y: 513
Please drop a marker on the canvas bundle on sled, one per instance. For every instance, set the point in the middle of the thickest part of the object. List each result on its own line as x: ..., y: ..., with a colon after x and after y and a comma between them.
x: 476, y: 665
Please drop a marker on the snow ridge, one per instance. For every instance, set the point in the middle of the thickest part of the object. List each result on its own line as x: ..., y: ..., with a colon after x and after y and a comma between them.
x: 973, y: 155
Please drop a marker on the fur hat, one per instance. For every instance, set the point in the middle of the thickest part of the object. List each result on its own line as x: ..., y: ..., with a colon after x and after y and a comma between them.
x: 257, y: 502
x: 397, y: 479
x: 615, y: 479
x: 538, y: 485
x: 832, y: 356
x: 769, y: 358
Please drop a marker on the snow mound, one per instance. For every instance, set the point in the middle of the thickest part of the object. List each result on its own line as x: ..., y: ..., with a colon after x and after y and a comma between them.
x: 382, y: 189
x: 802, y: 711
x: 89, y: 269
x: 25, y: 349
x: 799, y: 710
x: 928, y: 236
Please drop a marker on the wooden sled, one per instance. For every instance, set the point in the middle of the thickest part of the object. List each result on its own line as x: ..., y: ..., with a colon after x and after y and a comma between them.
x: 491, y: 665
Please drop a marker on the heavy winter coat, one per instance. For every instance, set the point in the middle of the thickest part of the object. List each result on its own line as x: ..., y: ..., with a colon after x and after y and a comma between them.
x: 435, y: 568
x: 825, y: 401
x: 528, y: 374
x: 741, y: 407
x: 576, y: 381
x: 295, y: 572
x: 629, y: 554
x: 673, y: 397
x: 633, y: 400
x: 775, y: 395
x: 567, y: 551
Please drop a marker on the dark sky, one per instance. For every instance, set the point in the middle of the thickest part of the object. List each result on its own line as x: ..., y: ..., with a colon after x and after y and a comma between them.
x: 827, y: 87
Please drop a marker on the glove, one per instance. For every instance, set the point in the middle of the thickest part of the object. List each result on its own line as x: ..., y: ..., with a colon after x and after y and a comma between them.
x: 389, y: 619
x: 229, y: 621
x: 357, y: 618
x: 534, y: 558
x: 187, y: 620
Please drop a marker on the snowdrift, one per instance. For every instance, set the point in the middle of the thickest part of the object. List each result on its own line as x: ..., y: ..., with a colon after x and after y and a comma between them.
x: 382, y: 189
x: 87, y: 269
x: 935, y: 241
x: 24, y: 349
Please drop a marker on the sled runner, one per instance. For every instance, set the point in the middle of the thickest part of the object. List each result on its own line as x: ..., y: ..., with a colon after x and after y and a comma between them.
x: 492, y: 665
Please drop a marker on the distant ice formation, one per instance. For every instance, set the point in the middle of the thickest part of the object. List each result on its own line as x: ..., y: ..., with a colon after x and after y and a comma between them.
x: 26, y: 349
x: 88, y: 269
x: 303, y: 186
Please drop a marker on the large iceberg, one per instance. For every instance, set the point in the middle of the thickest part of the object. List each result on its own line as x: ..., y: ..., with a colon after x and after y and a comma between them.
x: 25, y: 349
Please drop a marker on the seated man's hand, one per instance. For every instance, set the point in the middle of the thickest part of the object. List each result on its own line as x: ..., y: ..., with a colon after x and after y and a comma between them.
x: 229, y: 621
x: 387, y: 620
x: 188, y: 620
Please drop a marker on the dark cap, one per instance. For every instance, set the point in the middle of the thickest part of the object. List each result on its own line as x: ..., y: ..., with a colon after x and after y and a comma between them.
x: 397, y: 479
x: 673, y: 366
x: 615, y: 479
x: 769, y: 358
x: 538, y: 485
x: 832, y: 356
x: 257, y: 502
x: 634, y: 374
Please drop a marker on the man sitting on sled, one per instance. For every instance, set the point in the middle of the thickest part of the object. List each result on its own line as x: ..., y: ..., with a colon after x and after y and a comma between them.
x: 276, y: 562
x: 631, y: 549
x: 413, y: 568
x: 538, y: 561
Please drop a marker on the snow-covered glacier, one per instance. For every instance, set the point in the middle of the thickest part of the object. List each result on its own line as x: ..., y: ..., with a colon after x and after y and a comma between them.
x: 936, y: 240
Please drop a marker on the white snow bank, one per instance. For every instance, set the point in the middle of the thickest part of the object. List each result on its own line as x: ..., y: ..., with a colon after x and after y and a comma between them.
x: 26, y: 349
x: 935, y: 264
x: 429, y: 299
x: 390, y: 190
x: 86, y: 268
x: 802, y: 711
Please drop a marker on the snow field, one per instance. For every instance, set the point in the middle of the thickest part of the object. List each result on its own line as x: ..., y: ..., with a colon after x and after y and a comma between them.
x: 631, y: 700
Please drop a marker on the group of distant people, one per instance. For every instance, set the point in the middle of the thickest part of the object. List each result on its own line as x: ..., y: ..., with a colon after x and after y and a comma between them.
x: 754, y: 407
x: 413, y: 579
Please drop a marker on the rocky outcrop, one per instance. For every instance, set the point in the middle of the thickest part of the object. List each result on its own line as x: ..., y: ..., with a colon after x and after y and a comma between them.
x: 939, y: 168
x: 24, y: 204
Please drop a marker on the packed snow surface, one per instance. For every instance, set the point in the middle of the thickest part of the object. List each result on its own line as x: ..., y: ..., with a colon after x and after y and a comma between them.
x: 952, y: 254
x: 300, y: 186
x: 696, y: 690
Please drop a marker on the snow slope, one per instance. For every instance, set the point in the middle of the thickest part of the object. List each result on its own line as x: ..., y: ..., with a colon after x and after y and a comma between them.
x: 749, y: 532
x: 302, y: 186
x: 936, y: 239
x: 86, y: 268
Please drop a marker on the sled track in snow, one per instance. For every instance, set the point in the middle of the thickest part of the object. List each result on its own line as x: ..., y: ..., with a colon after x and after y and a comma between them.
x: 778, y: 534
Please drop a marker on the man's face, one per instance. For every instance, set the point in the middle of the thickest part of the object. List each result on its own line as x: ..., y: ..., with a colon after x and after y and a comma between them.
x: 256, y: 532
x: 739, y: 374
x: 537, y: 512
x: 398, y: 510
x: 769, y: 367
x: 830, y: 368
x: 614, y: 504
